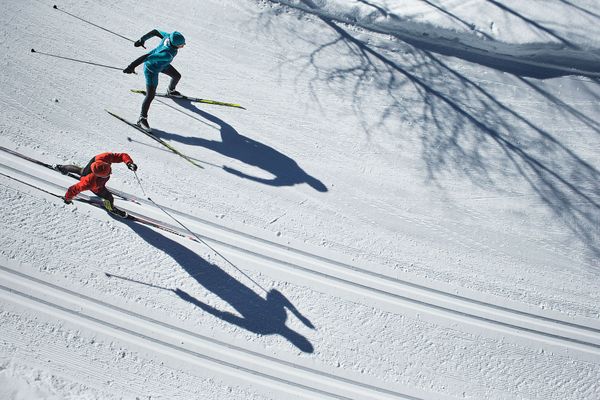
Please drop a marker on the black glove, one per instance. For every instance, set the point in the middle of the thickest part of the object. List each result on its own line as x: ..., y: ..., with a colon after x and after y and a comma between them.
x: 139, y: 43
x: 129, y: 70
x: 66, y: 201
x: 132, y: 166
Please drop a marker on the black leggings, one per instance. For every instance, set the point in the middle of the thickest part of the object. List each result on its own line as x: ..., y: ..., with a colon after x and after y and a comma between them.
x: 78, y: 170
x: 151, y: 91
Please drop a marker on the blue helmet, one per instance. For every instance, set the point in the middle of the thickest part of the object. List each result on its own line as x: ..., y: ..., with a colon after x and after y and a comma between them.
x: 176, y: 39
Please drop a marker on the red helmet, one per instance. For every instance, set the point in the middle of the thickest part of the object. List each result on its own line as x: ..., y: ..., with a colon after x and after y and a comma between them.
x: 101, y: 169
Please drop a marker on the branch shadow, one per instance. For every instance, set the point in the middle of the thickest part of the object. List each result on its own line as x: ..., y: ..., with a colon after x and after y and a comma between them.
x: 257, y: 315
x: 535, y: 60
x: 466, y: 129
x: 285, y: 171
x: 532, y: 23
x: 457, y: 18
x: 584, y: 10
x: 385, y: 13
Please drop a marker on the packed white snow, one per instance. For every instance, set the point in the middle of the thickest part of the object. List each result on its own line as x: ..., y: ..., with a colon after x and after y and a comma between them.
x: 409, y: 206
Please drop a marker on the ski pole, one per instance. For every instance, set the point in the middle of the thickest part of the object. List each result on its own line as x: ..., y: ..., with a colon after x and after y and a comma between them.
x: 196, y: 236
x: 140, y: 183
x: 109, y: 275
x: 76, y: 60
x: 97, y: 26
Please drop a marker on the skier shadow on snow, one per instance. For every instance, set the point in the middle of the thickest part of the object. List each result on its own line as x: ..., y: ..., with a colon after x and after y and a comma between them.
x: 234, y: 145
x: 261, y: 316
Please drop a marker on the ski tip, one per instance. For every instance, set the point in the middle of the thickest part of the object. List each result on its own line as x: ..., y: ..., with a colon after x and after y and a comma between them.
x: 107, y: 274
x: 137, y: 91
x: 235, y: 106
x: 54, y: 6
x: 112, y: 113
x: 33, y: 50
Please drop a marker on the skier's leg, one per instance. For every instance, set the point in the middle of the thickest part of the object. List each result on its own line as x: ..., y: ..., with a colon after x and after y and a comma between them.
x: 88, y: 168
x: 109, y: 203
x: 66, y: 169
x: 150, y: 93
x: 109, y: 200
x: 175, y: 77
x: 151, y: 84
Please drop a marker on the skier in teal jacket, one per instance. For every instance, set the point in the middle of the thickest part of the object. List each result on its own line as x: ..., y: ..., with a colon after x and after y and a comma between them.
x: 156, y: 61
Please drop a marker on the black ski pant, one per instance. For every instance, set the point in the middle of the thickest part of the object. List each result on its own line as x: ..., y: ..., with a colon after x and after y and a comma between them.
x: 151, y: 90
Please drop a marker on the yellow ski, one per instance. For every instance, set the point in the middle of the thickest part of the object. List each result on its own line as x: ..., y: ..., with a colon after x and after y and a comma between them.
x: 192, y: 99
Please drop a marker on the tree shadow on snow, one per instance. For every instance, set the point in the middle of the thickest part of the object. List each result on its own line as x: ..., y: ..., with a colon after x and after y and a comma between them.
x: 286, y: 171
x: 464, y: 128
x: 478, y: 47
x: 582, y: 9
x: 257, y: 315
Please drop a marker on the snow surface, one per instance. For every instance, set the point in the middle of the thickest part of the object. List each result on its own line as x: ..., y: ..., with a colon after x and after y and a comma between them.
x: 409, y: 208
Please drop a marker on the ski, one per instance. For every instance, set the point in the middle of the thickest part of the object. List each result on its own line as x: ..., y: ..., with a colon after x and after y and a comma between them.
x: 132, y: 216
x: 158, y: 225
x: 117, y: 193
x: 81, y: 198
x: 192, y: 99
x: 120, y: 213
x: 35, y: 161
x: 159, y: 140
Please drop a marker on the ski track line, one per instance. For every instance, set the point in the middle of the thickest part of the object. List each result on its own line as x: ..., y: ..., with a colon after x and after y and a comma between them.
x: 191, y: 347
x: 83, y: 367
x: 459, y: 236
x: 386, y: 290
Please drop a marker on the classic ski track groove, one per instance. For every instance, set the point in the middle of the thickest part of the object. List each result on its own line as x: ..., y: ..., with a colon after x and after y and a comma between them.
x: 387, y: 289
x: 72, y: 306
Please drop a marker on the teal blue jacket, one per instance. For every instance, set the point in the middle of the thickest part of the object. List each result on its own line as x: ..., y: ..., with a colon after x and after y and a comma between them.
x: 160, y: 57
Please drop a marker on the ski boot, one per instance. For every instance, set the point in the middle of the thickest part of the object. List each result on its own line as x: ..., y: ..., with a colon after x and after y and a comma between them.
x: 114, y: 210
x: 60, y: 168
x: 173, y: 93
x: 143, y: 123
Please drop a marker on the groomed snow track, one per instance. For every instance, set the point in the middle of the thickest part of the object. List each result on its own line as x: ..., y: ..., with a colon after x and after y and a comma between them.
x: 346, y: 280
x: 193, y: 348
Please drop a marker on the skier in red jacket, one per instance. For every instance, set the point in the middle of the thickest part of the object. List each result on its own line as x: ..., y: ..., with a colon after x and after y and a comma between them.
x: 94, y: 177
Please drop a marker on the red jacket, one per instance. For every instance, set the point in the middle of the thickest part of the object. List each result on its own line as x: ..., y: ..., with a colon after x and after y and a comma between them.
x: 93, y: 182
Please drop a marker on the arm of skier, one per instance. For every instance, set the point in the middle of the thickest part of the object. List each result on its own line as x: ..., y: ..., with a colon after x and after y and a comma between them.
x: 151, y: 34
x: 131, y: 67
x: 124, y: 157
x: 140, y: 42
x: 117, y: 158
x: 82, y: 185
